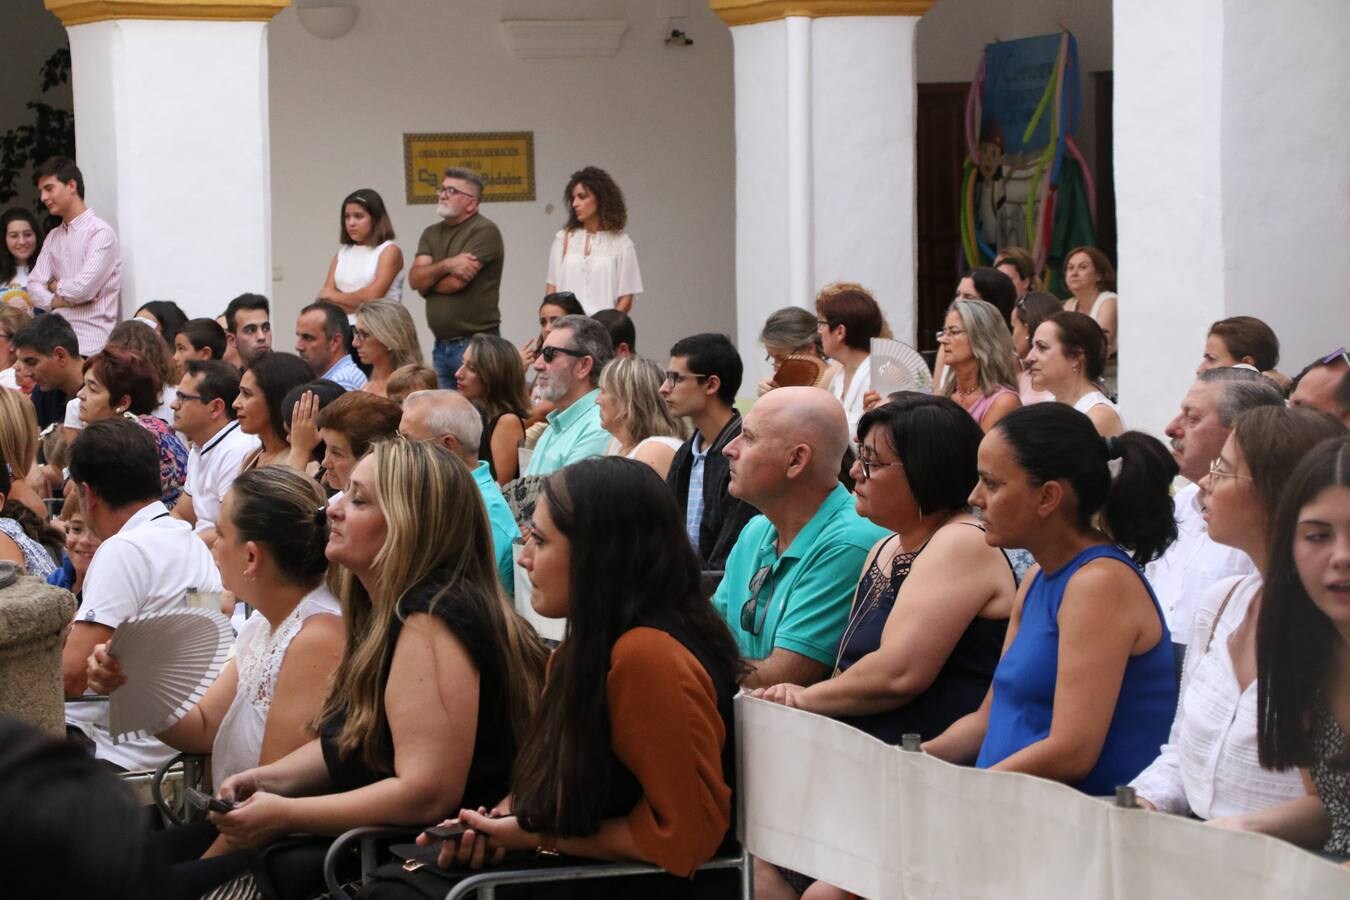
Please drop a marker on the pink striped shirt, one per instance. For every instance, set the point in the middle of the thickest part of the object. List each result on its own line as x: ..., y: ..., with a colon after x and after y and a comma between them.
x: 83, y: 256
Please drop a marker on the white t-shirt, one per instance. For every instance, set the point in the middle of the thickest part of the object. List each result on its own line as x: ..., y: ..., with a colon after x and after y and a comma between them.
x: 600, y: 277
x: 212, y: 468
x: 356, y: 267
x: 258, y: 656
x: 148, y: 566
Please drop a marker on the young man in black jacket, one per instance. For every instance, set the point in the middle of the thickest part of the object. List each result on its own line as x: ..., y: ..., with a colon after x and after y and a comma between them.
x: 701, y: 382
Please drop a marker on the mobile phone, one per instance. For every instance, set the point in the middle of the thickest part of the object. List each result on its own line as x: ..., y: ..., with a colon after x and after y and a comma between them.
x: 445, y: 832
x: 205, y: 801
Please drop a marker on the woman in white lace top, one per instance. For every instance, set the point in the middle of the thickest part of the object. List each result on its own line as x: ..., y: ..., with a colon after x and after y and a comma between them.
x: 270, y: 551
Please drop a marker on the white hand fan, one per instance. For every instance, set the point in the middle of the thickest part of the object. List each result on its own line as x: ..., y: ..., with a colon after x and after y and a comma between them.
x: 169, y: 660
x: 898, y: 367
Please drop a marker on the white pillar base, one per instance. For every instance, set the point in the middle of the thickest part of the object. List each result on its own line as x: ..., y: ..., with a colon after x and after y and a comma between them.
x: 172, y: 138
x: 825, y: 115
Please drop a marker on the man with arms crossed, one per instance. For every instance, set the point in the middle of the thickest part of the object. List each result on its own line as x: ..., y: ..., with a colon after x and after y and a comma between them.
x: 458, y: 269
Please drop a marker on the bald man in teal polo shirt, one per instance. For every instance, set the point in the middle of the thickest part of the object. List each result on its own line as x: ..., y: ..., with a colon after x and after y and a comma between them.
x: 790, y: 578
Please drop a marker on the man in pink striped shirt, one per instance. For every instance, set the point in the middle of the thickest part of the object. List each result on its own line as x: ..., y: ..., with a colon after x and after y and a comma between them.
x: 78, y: 275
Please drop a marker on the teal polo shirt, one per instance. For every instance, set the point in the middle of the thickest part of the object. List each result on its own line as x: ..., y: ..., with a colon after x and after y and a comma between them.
x: 806, y: 595
x: 572, y: 434
x: 504, y: 528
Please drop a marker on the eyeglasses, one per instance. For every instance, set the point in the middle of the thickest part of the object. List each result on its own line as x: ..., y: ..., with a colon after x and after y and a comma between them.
x: 1216, y: 474
x: 825, y: 322
x: 869, y: 462
x: 950, y: 334
x: 360, y: 334
x: 183, y: 397
x: 551, y: 353
x: 750, y: 618
x: 447, y: 191
x: 676, y: 378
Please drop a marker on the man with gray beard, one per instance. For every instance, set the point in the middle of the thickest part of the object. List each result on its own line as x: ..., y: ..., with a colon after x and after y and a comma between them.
x: 567, y: 371
x: 1181, y: 575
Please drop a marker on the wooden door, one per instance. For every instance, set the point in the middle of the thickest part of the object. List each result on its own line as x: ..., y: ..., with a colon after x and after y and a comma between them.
x: 939, y: 155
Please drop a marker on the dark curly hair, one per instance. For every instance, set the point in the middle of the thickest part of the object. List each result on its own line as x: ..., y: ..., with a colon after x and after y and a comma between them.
x: 609, y: 205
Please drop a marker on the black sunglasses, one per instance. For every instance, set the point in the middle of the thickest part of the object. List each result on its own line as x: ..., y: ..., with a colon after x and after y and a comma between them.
x: 551, y: 353
x: 750, y: 611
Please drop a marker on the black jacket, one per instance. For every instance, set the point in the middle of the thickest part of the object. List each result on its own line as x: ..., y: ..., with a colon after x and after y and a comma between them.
x: 723, y: 515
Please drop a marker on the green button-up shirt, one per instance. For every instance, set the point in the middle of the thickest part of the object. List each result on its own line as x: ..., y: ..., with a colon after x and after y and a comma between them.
x: 572, y: 434
x: 804, y: 594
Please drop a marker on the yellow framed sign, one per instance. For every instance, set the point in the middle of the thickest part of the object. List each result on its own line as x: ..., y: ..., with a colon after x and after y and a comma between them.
x: 505, y: 159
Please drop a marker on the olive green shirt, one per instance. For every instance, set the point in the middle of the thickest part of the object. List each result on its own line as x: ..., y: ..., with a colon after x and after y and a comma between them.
x: 473, y: 309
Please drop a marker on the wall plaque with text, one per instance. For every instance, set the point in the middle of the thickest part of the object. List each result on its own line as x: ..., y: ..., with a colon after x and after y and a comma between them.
x: 505, y: 159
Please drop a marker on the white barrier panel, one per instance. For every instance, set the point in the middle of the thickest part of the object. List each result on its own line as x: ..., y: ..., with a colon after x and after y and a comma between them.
x: 832, y: 802
x: 552, y: 629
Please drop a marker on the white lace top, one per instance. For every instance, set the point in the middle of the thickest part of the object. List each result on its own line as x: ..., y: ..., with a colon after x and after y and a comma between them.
x: 258, y: 655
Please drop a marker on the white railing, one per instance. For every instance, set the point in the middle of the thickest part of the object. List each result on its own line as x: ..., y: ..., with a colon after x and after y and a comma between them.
x: 832, y: 802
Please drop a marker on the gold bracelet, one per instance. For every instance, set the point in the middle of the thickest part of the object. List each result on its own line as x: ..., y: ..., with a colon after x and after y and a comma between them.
x: 548, y: 845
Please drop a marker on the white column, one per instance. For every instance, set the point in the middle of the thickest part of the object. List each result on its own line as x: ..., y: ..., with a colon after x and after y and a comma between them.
x: 172, y: 137
x: 1232, y: 172
x: 825, y: 112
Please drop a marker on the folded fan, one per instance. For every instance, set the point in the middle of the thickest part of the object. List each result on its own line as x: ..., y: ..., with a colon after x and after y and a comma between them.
x: 169, y: 660
x: 898, y: 367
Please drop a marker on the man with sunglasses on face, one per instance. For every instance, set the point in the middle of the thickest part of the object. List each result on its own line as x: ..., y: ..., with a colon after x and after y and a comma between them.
x: 790, y: 578
x: 458, y: 269
x: 567, y: 371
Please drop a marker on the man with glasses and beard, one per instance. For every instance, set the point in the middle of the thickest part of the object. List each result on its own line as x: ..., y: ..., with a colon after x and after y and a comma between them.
x: 567, y: 371
x: 458, y: 269
x: 791, y: 576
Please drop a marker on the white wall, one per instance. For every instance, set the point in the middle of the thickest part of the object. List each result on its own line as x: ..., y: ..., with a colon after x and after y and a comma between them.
x: 658, y: 118
x: 1234, y: 193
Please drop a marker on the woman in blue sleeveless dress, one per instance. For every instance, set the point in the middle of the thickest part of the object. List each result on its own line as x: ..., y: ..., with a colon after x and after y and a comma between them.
x: 1085, y: 691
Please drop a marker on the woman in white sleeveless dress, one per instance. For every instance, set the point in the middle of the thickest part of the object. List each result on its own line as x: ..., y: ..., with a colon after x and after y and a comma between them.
x: 270, y: 551
x: 1091, y: 279
x: 634, y: 412
x: 592, y: 256
x: 368, y: 265
x: 1066, y: 358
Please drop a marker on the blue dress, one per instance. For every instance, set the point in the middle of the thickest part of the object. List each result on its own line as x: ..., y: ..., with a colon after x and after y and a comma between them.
x: 1024, y: 686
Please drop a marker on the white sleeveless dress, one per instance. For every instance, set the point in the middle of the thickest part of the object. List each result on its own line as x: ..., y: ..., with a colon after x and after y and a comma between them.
x: 356, y: 265
x: 258, y: 654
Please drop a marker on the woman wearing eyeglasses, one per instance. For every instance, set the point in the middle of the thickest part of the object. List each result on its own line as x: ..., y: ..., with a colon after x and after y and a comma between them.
x: 368, y: 265
x: 980, y: 363
x: 633, y: 411
x: 931, y: 609
x: 848, y: 319
x: 385, y: 339
x: 1209, y: 767
x: 591, y: 256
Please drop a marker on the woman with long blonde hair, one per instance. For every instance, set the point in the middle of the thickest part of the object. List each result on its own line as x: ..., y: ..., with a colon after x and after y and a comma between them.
x: 439, y: 676
x: 980, y: 363
x: 385, y: 339
x: 634, y: 412
x: 18, y: 447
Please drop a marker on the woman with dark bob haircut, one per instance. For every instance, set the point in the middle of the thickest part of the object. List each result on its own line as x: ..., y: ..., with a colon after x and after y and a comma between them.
x: 266, y: 381
x: 592, y: 256
x: 931, y: 609
x: 121, y: 382
x: 848, y: 317
x: 368, y: 264
x: 1086, y: 688
x: 632, y: 753
x: 1303, y: 654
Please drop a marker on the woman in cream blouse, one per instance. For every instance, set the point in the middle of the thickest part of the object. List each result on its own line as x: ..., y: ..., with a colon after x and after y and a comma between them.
x: 592, y: 256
